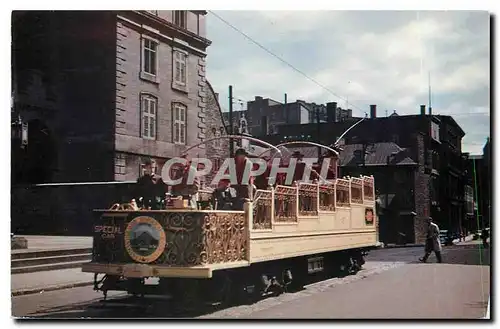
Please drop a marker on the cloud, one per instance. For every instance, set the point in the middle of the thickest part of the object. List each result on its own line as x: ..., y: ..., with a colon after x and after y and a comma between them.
x: 367, y: 57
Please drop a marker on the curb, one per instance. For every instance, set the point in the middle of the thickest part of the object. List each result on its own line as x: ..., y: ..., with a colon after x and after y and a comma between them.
x: 403, y: 246
x: 51, y: 288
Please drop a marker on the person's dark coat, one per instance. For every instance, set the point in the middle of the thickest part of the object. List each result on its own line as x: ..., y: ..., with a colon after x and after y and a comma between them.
x: 150, y: 188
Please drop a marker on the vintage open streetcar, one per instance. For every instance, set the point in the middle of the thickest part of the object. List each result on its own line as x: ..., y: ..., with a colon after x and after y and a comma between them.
x: 284, y: 236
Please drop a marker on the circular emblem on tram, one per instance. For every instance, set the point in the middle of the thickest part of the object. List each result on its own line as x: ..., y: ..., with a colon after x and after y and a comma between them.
x: 369, y: 216
x: 144, y: 239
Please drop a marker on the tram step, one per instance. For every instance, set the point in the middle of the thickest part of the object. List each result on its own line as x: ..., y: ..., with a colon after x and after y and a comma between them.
x: 23, y: 254
x: 25, y: 262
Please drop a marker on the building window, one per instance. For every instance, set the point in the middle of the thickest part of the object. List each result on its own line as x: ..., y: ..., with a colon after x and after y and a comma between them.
x: 180, y: 65
x: 216, y: 142
x: 150, y: 56
x: 198, y: 24
x: 149, y: 106
x: 180, y: 18
x: 120, y: 164
x: 179, y: 123
x: 435, y: 160
x: 395, y: 139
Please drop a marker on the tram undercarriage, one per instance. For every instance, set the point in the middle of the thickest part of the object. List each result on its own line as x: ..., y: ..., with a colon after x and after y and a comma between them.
x: 243, y: 284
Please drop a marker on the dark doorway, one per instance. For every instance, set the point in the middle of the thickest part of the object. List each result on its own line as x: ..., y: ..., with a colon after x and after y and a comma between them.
x: 39, y: 156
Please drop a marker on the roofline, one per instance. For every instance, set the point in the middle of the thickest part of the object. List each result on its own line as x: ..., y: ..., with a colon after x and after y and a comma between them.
x: 382, y: 165
x: 218, y: 105
x: 449, y: 117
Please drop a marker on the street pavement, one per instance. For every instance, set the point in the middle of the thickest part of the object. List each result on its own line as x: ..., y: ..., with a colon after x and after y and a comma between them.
x: 23, y: 283
x: 393, y: 285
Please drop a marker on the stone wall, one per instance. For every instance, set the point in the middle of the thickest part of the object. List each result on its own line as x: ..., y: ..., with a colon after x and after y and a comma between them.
x: 63, y: 209
x: 217, y: 150
x: 422, y: 197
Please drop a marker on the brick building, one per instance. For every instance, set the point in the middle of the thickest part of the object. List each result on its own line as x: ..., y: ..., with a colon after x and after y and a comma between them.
x: 433, y: 142
x: 266, y: 115
x: 394, y: 171
x: 478, y: 180
x: 102, y: 90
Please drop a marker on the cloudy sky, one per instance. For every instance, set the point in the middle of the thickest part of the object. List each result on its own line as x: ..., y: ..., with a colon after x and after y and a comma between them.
x: 365, y: 57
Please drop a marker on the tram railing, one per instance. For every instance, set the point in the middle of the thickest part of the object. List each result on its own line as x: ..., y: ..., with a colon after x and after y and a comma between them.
x: 263, y: 210
x: 326, y: 197
x: 307, y: 195
x: 343, y: 193
x: 286, y: 204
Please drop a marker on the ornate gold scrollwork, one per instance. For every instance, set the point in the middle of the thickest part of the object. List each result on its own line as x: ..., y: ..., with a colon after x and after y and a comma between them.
x: 123, y: 206
x: 225, y: 238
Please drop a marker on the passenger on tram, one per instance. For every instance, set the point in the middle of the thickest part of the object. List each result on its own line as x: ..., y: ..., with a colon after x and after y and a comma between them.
x: 150, y: 188
x: 224, y: 195
x: 187, y: 189
x: 261, y: 181
x: 300, y: 166
x: 244, y: 188
x: 331, y: 174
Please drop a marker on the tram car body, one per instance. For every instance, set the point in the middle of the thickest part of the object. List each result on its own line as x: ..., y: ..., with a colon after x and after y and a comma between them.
x: 284, y: 236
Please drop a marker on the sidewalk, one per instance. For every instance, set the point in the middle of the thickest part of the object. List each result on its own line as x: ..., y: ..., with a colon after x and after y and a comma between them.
x: 38, y: 282
x: 48, y: 242
x: 468, y: 238
x: 410, y: 245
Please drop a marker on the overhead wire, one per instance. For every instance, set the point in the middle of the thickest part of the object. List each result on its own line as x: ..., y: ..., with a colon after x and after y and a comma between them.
x: 310, y: 78
x: 282, y: 60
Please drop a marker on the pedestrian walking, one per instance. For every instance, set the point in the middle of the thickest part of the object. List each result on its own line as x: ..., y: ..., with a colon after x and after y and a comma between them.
x: 432, y: 242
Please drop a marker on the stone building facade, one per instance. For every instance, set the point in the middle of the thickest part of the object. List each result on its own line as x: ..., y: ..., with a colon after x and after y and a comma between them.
x: 168, y: 88
x: 110, y: 89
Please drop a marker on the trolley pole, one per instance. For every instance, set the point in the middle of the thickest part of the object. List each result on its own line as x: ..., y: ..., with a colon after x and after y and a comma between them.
x: 286, y: 108
x: 231, y: 145
x: 318, y: 131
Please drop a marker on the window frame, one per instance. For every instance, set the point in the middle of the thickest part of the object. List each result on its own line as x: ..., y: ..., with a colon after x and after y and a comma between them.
x: 216, y: 142
x: 151, y: 99
x: 144, y: 73
x: 176, y: 137
x: 182, y: 16
x: 180, y: 58
x: 120, y: 164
